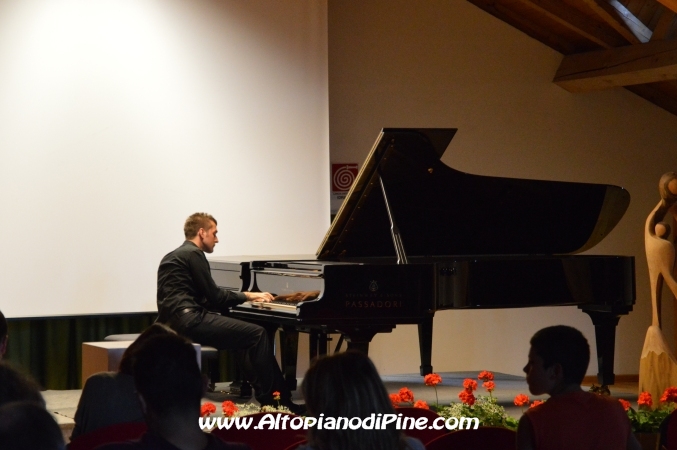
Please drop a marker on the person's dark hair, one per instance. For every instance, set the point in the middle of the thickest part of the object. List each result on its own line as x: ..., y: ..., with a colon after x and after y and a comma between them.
x: 3, y: 327
x: 196, y: 221
x: 15, y: 386
x: 566, y: 346
x: 348, y: 385
x: 27, y: 426
x: 127, y: 361
x: 166, y: 374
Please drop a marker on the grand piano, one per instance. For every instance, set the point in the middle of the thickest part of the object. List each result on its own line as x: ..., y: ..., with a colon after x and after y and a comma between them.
x: 415, y: 236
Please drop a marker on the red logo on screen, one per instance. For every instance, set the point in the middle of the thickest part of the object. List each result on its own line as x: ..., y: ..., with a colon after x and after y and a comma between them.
x: 342, y: 177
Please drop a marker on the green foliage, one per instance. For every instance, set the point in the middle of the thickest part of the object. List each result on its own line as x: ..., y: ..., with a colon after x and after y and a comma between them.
x: 486, y: 409
x: 645, y: 420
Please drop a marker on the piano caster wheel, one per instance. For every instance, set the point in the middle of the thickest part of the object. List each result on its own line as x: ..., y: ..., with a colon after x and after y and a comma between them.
x: 240, y: 388
x: 601, y: 390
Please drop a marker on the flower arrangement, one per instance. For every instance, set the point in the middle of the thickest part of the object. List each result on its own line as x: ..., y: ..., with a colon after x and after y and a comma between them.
x: 483, y: 407
x: 645, y: 419
x: 231, y: 409
x: 406, y: 396
x: 207, y: 409
x: 433, y: 379
x: 521, y: 400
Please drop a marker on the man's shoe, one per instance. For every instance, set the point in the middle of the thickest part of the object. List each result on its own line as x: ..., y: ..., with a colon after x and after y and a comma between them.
x: 299, y: 410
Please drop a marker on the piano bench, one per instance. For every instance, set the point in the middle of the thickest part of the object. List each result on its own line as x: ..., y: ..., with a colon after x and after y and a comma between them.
x: 105, y: 356
x: 206, y: 353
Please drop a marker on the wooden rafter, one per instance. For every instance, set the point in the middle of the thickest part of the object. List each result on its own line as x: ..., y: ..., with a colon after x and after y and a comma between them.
x: 623, y: 66
x: 610, y: 14
x: 636, y: 26
x: 574, y: 20
x: 655, y: 96
x: 518, y: 21
x: 663, y: 26
x: 671, y: 4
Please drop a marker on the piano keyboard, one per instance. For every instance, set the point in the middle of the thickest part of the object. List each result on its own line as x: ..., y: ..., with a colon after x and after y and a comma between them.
x: 280, y: 305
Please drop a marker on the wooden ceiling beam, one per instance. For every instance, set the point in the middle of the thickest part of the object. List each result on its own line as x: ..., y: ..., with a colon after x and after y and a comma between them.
x: 574, y: 20
x: 636, y: 26
x: 623, y: 66
x: 655, y: 96
x: 663, y: 26
x: 670, y: 4
x: 538, y: 32
x: 620, y: 19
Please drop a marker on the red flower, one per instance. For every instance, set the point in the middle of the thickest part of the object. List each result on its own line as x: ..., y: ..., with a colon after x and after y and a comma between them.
x: 485, y: 376
x: 229, y: 408
x: 421, y: 404
x: 467, y: 397
x: 645, y: 400
x: 469, y: 384
x: 669, y: 395
x: 207, y: 409
x: 536, y: 403
x: 276, y: 395
x: 395, y: 400
x: 521, y: 400
x: 406, y: 395
x: 489, y: 385
x: 625, y: 403
x: 432, y: 379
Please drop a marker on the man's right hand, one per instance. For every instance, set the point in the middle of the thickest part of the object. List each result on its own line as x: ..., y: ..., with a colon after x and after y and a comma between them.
x: 259, y: 297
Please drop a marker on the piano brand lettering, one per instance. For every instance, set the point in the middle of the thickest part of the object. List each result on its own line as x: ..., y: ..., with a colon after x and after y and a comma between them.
x: 373, y: 422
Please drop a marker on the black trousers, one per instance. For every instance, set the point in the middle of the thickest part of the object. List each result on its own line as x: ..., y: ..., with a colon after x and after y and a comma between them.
x: 225, y: 333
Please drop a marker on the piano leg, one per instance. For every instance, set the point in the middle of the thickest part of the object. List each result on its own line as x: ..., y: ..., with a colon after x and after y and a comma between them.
x: 605, y: 339
x: 425, y: 345
x: 359, y: 339
x: 362, y: 347
x: 318, y: 343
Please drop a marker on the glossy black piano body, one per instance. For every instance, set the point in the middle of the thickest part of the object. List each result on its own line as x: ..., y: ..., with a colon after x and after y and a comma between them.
x: 415, y: 236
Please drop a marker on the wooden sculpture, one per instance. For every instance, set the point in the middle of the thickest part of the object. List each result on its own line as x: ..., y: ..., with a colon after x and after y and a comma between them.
x: 658, y: 366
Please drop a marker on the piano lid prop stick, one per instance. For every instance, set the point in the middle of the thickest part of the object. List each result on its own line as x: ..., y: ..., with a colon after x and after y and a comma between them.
x: 394, y: 230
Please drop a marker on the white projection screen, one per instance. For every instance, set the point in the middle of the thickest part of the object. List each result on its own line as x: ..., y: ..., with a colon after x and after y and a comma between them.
x: 119, y: 118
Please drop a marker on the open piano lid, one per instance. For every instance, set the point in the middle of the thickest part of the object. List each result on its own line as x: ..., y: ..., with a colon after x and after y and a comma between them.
x: 441, y: 211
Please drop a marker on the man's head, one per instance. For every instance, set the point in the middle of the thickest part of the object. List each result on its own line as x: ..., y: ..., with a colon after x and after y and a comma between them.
x: 3, y: 335
x: 200, y: 228
x: 129, y: 356
x: 28, y: 426
x: 15, y: 386
x: 167, y: 376
x: 559, y: 357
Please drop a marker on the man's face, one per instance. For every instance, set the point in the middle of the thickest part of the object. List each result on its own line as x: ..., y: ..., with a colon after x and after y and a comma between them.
x: 539, y: 379
x: 209, y: 238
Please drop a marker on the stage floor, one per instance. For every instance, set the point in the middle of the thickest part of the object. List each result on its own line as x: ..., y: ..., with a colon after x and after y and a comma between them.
x: 64, y: 403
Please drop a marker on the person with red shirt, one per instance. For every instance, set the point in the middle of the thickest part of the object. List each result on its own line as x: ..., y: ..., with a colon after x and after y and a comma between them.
x: 570, y: 418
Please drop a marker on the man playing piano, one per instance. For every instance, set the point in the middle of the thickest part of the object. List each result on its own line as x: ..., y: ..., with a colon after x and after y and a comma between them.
x: 189, y: 301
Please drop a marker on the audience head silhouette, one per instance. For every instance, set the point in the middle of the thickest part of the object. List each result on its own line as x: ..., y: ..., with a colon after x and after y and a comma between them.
x: 28, y: 426
x: 15, y: 386
x: 348, y: 385
x: 129, y: 356
x: 561, y: 348
x: 167, y: 375
x: 3, y: 335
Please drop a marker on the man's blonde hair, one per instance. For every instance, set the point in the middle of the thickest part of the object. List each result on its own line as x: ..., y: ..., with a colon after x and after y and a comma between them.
x: 196, y: 221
